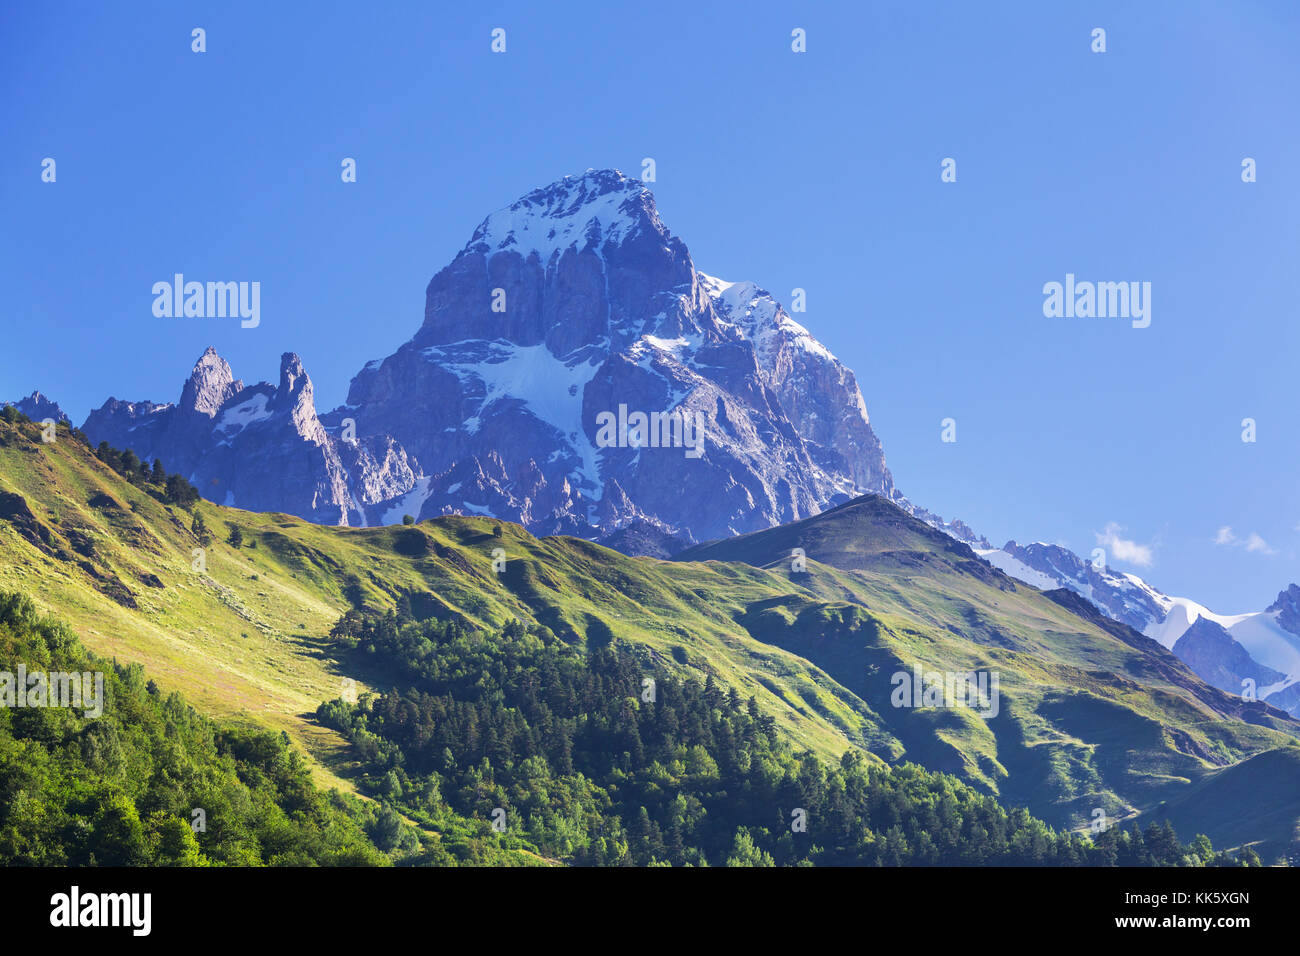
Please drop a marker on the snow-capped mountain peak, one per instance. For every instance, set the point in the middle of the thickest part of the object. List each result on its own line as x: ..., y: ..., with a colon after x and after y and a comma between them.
x: 601, y: 312
x: 570, y: 316
x: 600, y: 206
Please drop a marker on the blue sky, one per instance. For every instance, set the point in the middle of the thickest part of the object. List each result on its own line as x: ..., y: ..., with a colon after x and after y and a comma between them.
x: 817, y: 170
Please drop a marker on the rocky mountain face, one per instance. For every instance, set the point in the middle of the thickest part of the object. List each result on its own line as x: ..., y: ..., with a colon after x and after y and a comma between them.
x: 1219, y: 660
x: 1125, y: 597
x: 574, y: 372
x: 1287, y: 609
x: 39, y: 408
x: 259, y: 447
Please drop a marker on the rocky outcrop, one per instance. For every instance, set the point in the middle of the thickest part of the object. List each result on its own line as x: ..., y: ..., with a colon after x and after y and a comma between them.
x: 1219, y: 660
x: 261, y: 447
x: 39, y: 408
x: 1287, y: 609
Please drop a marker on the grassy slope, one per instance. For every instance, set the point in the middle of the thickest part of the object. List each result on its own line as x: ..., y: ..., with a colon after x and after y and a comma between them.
x: 1093, y: 714
x: 248, y: 640
x: 1244, y: 800
x: 1089, y: 718
x: 246, y: 649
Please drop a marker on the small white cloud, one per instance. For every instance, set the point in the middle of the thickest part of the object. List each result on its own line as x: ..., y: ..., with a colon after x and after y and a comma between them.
x: 1256, y: 543
x: 1253, y: 542
x: 1124, y: 549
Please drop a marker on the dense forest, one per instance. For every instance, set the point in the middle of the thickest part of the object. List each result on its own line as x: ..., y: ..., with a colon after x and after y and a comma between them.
x: 598, y: 758
x: 122, y: 789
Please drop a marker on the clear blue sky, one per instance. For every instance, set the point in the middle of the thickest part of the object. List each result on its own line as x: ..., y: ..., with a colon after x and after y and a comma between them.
x: 816, y: 170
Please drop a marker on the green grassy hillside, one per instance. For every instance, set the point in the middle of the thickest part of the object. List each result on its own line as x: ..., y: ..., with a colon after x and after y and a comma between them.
x: 247, y: 638
x: 1243, y: 801
x: 130, y: 776
x: 1091, y: 715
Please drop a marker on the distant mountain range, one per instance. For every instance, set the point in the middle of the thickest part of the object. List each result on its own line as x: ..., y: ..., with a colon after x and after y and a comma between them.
x: 1257, y: 652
